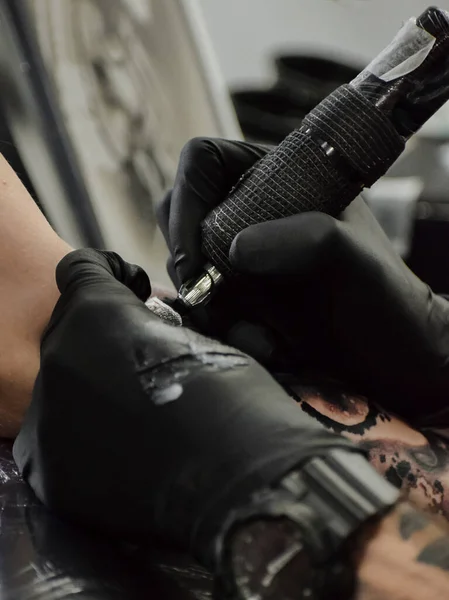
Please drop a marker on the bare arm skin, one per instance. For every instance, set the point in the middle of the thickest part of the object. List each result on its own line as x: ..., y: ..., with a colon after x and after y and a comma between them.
x: 29, y: 253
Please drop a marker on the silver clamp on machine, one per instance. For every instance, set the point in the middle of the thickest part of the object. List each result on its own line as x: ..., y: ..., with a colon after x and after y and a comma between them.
x: 199, y: 291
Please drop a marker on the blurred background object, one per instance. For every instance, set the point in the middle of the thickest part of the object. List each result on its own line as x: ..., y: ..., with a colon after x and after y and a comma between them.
x: 124, y: 84
x: 99, y: 96
x: 247, y: 34
x: 301, y: 82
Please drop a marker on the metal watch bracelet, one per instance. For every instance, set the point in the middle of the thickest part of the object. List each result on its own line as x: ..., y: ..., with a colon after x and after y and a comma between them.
x: 286, y: 544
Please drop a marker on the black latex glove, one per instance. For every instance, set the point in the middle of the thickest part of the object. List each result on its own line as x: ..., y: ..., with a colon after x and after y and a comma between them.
x: 138, y: 428
x: 332, y: 293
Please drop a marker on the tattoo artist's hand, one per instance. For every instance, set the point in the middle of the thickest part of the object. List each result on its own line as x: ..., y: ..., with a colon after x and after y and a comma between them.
x: 405, y: 557
x: 331, y: 294
x: 142, y: 428
x: 139, y: 428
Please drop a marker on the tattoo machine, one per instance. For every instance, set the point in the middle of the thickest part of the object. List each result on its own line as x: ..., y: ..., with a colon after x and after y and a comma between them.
x: 344, y: 145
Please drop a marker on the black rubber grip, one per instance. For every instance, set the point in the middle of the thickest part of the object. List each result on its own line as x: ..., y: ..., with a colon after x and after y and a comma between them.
x: 345, y: 144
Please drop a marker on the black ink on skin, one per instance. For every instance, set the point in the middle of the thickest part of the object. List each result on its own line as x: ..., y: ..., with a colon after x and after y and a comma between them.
x: 359, y: 429
x: 403, y: 468
x: 423, y: 460
x: 336, y: 395
x: 392, y: 476
x: 412, y: 478
x: 436, y: 554
x: 439, y: 486
x: 411, y: 522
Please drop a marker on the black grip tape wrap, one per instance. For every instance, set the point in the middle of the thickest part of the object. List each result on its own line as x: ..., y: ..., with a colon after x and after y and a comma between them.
x: 358, y: 130
x: 298, y: 176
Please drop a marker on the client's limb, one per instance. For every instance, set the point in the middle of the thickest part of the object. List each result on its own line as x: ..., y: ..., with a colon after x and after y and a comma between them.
x: 415, y: 460
x: 29, y: 253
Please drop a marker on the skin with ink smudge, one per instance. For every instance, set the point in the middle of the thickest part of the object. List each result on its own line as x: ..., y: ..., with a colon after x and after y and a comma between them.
x: 402, y: 557
x: 413, y: 460
x: 403, y: 468
x: 436, y: 554
x: 410, y: 523
x: 392, y: 476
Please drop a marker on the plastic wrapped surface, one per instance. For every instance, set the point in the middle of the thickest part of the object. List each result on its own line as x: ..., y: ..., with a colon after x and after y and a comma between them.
x: 409, y: 80
x: 43, y: 558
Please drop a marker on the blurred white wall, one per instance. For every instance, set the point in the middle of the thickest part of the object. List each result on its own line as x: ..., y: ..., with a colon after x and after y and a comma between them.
x: 246, y: 32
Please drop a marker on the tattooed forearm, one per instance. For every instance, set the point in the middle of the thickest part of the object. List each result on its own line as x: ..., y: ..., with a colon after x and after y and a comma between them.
x: 414, y: 460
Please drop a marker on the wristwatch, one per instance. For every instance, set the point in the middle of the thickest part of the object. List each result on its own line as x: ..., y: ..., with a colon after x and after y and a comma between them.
x: 289, y: 542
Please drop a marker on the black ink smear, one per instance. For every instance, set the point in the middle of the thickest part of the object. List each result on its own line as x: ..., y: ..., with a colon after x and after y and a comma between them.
x: 403, y: 468
x: 359, y: 429
x: 411, y: 522
x: 412, y: 479
x: 392, y: 476
x: 336, y: 394
x: 436, y: 554
x: 439, y: 487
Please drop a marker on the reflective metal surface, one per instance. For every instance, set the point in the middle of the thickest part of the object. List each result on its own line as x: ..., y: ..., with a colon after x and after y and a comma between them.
x: 200, y: 290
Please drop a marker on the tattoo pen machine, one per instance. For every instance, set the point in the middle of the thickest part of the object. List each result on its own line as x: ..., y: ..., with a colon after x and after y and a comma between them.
x: 344, y: 145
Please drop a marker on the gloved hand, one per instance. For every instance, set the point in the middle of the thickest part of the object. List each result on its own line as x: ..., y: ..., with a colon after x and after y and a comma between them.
x: 141, y: 428
x: 138, y: 428
x: 315, y: 292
